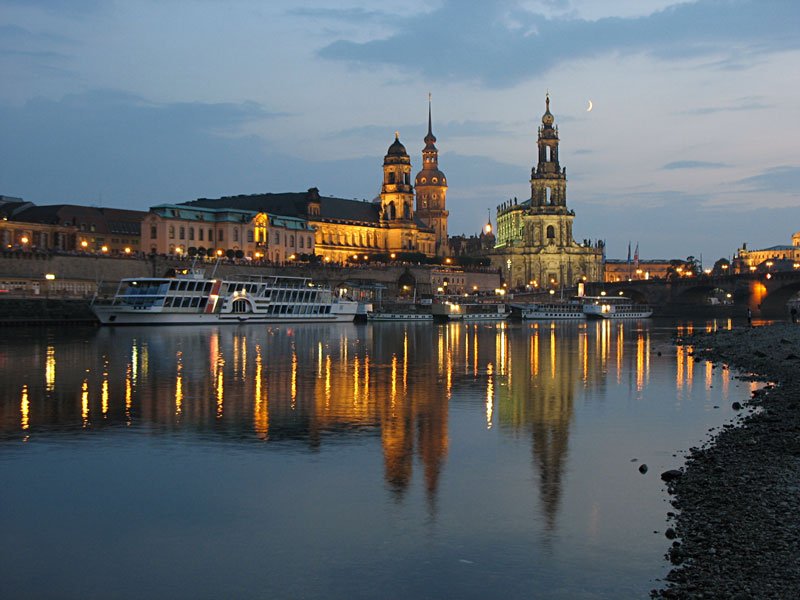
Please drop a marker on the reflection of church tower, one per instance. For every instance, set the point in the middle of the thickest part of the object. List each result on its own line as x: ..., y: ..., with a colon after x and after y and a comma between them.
x: 431, y: 185
x: 397, y: 193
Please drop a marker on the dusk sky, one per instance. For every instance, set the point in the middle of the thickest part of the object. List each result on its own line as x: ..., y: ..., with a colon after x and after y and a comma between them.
x: 691, y: 147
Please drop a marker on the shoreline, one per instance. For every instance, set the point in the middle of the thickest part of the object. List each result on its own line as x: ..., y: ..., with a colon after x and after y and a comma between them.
x: 736, y: 524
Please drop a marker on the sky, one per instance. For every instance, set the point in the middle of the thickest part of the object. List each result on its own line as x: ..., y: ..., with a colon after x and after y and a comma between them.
x: 690, y: 147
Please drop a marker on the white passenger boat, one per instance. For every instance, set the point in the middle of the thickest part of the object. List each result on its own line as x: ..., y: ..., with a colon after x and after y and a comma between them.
x: 191, y: 298
x: 453, y: 310
x: 548, y: 311
x: 614, y: 307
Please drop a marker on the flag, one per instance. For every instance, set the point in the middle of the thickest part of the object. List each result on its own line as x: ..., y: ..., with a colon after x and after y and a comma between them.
x: 636, y: 257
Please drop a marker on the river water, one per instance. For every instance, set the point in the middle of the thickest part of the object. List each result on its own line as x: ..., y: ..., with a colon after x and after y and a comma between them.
x: 346, y: 461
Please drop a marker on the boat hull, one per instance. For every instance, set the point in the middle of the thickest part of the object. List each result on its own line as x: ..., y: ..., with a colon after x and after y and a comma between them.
x: 112, y: 315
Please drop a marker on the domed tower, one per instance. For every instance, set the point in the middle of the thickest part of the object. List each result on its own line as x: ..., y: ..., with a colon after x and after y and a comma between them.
x: 397, y: 193
x: 431, y: 186
x: 548, y: 179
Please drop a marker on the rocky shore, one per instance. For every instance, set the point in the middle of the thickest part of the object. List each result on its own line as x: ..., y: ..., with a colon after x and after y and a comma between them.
x: 736, y: 524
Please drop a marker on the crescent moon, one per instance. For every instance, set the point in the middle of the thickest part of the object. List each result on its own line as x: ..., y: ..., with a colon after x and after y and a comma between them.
x: 590, y: 106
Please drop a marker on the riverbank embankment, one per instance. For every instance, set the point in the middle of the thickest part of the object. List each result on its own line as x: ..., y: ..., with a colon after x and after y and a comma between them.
x: 737, y: 521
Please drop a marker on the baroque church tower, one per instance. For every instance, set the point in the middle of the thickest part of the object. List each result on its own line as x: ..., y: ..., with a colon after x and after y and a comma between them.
x: 534, y: 246
x: 397, y: 193
x: 431, y: 186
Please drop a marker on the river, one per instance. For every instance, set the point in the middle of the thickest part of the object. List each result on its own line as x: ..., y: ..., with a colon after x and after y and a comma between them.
x: 349, y: 461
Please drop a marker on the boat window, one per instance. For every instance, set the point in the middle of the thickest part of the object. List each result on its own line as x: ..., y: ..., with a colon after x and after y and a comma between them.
x: 203, y: 302
x: 182, y: 286
x: 173, y: 285
x: 195, y: 302
x: 185, y: 302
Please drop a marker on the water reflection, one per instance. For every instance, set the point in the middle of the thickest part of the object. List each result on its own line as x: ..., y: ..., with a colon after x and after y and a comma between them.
x: 314, y: 385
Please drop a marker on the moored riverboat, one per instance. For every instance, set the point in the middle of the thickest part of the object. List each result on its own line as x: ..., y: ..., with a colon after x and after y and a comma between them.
x: 549, y: 311
x: 614, y: 307
x: 453, y: 310
x: 191, y: 298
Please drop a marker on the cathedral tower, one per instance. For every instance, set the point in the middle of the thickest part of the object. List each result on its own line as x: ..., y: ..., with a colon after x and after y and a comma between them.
x: 397, y: 193
x: 534, y: 247
x: 431, y: 186
x: 548, y: 179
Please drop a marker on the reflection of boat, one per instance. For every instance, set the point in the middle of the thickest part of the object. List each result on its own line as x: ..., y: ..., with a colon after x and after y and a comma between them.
x: 191, y: 298
x: 569, y: 309
x: 614, y: 307
x: 453, y: 310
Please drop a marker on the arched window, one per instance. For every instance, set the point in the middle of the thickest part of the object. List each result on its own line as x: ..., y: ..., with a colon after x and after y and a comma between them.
x: 551, y: 232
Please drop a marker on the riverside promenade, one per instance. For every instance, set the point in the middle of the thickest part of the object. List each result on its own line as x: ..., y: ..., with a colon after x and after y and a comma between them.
x: 737, y: 500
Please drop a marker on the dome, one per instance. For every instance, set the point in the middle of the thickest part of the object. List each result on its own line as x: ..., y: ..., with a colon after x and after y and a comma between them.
x: 429, y: 175
x: 397, y: 149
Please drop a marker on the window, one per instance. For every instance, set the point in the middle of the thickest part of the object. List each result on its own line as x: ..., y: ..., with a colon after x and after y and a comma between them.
x: 301, y: 240
x: 277, y: 239
x: 291, y: 241
x: 249, y: 235
x: 191, y: 233
x: 235, y: 234
x: 200, y: 234
x: 153, y: 232
x: 220, y: 236
x: 183, y: 233
x: 210, y: 235
x: 172, y: 232
x: 551, y: 232
x: 308, y: 245
x: 391, y: 177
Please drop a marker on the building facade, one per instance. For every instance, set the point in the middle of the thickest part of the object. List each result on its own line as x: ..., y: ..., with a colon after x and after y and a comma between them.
x: 749, y: 260
x: 196, y: 230
x: 534, y: 244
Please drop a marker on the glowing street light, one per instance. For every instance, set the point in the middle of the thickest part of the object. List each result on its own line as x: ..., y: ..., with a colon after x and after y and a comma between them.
x: 127, y: 250
x: 24, y: 239
x: 104, y: 249
x: 84, y: 244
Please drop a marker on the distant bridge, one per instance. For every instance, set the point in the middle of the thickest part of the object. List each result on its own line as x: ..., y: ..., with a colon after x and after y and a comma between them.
x: 766, y: 294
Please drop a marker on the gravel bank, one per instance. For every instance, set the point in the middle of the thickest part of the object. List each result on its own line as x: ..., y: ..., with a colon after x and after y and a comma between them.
x: 736, y: 529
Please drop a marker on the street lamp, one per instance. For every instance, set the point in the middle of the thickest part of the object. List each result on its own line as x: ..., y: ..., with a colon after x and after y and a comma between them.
x: 84, y: 244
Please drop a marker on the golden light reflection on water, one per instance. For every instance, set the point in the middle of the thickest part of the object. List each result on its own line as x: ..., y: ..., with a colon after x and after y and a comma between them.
x: 261, y: 400
x: 178, y: 382
x: 50, y: 369
x: 104, y: 392
x: 85, y: 402
x: 24, y: 409
x: 306, y: 384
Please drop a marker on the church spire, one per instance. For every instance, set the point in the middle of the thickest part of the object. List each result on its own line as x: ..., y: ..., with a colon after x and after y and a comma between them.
x: 430, y: 139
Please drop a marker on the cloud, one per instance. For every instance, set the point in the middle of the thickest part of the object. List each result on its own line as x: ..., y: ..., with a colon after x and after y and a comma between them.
x: 693, y: 164
x: 782, y: 180
x: 507, y: 43
x: 128, y: 151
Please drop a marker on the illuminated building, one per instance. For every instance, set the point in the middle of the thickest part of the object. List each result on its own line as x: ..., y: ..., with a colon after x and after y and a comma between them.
x: 344, y: 230
x: 177, y: 228
x: 748, y: 260
x: 534, y: 238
